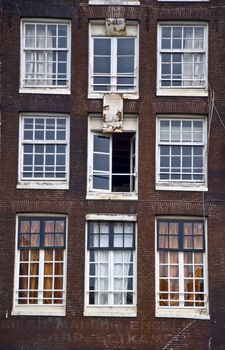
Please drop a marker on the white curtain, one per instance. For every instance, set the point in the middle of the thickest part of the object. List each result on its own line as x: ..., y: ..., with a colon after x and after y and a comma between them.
x: 49, y: 58
x: 39, y: 63
x: 188, y: 58
x: 101, y: 264
x: 29, y: 68
x: 29, y: 55
x: 111, y: 282
x: 193, y: 62
x: 198, y: 69
x: 121, y: 272
x: 101, y: 277
x: 40, y: 55
x: 40, y: 68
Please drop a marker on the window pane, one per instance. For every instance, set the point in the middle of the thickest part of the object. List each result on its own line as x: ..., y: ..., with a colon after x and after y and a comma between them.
x: 101, y: 162
x: 102, y: 47
x: 101, y: 182
x: 101, y: 144
x: 163, y: 271
x: 125, y: 46
x: 102, y: 65
x: 125, y: 65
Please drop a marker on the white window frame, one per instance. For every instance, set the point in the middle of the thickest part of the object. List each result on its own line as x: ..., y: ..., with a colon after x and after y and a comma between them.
x: 130, y: 124
x: 179, y: 311
x: 44, y: 183
x: 97, y: 29
x: 38, y: 309
x: 118, y: 310
x: 181, y: 185
x: 37, y: 89
x: 182, y: 91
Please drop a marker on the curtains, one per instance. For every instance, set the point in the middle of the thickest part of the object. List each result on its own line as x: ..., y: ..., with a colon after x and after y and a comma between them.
x: 28, y: 280
x: 181, y: 272
x: 53, y: 277
x: 181, y: 279
x: 111, y: 289
x: 35, y: 288
x: 54, y: 234
x: 193, y: 62
x: 31, y: 291
x: 192, y: 236
x: 122, y: 260
x: 168, y: 235
x: 111, y: 267
x: 101, y: 285
x: 193, y: 69
x: 38, y: 63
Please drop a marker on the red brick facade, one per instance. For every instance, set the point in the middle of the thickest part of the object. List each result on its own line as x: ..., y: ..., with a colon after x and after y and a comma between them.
x: 145, y: 331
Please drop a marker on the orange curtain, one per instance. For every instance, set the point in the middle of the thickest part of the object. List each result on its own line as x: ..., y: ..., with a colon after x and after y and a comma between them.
x: 34, y: 273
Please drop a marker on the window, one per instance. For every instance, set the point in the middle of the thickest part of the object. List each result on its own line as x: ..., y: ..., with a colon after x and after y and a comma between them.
x: 45, y: 56
x: 113, y: 60
x: 182, y: 57
x: 112, y: 161
x: 110, y: 281
x: 40, y: 266
x: 44, y: 151
x: 181, y: 268
x: 181, y: 153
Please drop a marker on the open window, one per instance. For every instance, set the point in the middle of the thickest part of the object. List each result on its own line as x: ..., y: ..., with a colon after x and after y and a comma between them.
x: 112, y: 161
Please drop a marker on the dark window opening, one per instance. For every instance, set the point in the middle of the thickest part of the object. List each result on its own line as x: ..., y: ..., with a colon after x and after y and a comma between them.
x: 114, y: 162
x: 122, y: 172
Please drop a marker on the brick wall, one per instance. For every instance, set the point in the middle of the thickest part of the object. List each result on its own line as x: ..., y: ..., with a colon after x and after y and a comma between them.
x: 145, y: 332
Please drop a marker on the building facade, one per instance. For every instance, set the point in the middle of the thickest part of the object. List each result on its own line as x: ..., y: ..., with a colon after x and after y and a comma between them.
x: 112, y: 175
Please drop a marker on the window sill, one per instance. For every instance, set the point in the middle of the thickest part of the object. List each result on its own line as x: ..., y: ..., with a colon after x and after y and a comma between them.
x: 52, y: 91
x: 202, y: 314
x: 113, y: 196
x: 182, y: 92
x: 114, y: 2
x: 184, y: 186
x: 127, y: 96
x: 40, y: 310
x: 43, y: 185
x: 102, y: 311
x: 183, y: 0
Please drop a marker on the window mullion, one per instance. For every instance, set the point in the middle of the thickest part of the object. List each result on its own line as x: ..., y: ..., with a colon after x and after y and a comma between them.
x: 114, y: 64
x: 111, y: 277
x: 181, y: 278
x: 91, y: 166
x: 110, y: 162
x: 41, y: 277
x: 132, y: 164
